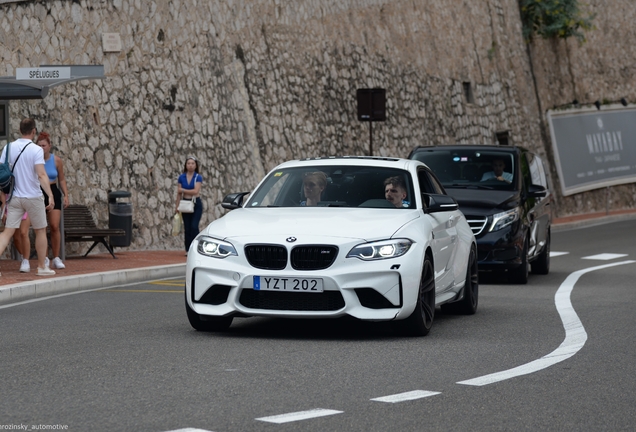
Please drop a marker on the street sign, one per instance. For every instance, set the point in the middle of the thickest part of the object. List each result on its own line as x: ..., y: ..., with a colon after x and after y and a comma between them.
x: 43, y: 73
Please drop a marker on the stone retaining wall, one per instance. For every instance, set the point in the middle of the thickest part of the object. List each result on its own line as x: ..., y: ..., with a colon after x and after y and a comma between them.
x: 247, y: 84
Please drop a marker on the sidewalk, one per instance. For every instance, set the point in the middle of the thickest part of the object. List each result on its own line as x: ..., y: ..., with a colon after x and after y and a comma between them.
x: 101, y: 270
x: 85, y: 273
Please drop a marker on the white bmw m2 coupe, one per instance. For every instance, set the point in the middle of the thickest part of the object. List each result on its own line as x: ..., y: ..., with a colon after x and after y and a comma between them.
x: 373, y: 238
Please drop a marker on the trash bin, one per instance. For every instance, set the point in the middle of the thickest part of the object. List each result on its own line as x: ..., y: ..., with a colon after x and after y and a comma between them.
x: 120, y: 217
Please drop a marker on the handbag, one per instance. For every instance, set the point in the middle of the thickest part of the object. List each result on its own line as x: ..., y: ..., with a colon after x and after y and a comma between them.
x: 186, y: 206
x: 177, y: 224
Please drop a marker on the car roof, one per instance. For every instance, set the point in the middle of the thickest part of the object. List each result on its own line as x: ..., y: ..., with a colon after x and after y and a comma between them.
x: 484, y: 147
x: 373, y: 161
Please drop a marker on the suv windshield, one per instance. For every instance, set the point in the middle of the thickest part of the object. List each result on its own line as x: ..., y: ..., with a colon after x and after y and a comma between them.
x: 335, y: 186
x: 470, y: 168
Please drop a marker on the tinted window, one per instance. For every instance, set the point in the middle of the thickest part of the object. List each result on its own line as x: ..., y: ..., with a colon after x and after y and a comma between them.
x: 471, y: 168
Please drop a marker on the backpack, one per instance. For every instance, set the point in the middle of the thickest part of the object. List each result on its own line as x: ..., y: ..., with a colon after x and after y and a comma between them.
x: 7, y: 179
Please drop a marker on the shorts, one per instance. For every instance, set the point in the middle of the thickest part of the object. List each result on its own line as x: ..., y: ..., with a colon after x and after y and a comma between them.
x: 33, y: 206
x: 57, y: 197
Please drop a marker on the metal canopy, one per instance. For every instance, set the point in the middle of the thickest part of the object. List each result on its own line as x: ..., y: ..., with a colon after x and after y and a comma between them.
x: 34, y: 83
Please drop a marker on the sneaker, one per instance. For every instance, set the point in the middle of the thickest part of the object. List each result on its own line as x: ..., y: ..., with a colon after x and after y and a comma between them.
x: 25, y: 267
x: 46, y: 262
x: 57, y: 263
x: 46, y: 271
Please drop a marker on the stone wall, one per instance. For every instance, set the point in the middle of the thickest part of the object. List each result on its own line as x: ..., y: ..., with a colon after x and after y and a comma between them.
x: 247, y: 84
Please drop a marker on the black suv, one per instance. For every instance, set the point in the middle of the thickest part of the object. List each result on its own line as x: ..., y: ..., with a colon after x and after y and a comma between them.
x: 503, y: 192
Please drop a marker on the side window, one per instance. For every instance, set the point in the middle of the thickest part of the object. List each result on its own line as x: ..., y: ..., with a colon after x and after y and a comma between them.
x: 428, y: 183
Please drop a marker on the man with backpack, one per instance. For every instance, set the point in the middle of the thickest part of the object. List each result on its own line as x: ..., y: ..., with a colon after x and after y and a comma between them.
x: 27, y: 162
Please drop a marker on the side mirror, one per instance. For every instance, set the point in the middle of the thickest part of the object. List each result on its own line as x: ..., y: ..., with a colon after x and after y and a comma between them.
x: 537, y: 191
x: 434, y: 203
x: 233, y: 200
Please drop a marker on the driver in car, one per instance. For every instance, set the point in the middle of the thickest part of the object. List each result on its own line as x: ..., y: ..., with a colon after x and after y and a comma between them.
x: 498, y: 166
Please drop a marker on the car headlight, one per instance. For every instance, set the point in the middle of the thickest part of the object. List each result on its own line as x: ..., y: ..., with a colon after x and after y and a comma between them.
x: 380, y: 250
x: 215, y: 248
x: 502, y: 220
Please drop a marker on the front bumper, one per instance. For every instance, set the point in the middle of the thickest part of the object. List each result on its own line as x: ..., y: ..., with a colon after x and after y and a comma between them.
x: 500, y: 250
x: 379, y: 290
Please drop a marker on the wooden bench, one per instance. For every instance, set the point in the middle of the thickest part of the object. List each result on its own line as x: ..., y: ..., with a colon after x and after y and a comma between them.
x: 79, y: 226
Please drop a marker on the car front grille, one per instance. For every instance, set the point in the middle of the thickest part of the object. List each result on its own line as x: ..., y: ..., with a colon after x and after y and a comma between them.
x: 274, y: 257
x: 267, y: 257
x: 477, y: 224
x: 313, y: 257
x: 285, y: 301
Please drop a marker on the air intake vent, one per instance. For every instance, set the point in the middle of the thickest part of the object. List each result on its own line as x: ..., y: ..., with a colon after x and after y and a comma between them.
x: 266, y: 257
x: 286, y: 301
x: 313, y: 257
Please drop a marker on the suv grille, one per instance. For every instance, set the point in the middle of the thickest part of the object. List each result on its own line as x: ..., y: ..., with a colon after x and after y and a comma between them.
x: 477, y: 224
x: 325, y: 301
x: 267, y: 257
x: 313, y: 257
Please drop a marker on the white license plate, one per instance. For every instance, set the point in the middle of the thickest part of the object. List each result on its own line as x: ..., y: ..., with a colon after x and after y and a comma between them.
x: 269, y: 283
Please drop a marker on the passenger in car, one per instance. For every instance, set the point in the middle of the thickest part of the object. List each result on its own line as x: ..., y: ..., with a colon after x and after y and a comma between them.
x: 314, y: 184
x: 395, y: 192
x: 498, y: 166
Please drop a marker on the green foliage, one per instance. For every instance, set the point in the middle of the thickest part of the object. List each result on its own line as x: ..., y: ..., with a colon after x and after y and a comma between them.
x: 554, y: 18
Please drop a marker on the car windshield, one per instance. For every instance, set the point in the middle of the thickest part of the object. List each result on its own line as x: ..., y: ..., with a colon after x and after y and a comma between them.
x: 471, y: 168
x: 335, y: 186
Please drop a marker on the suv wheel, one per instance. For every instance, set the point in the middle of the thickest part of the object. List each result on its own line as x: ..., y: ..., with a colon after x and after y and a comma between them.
x: 542, y: 264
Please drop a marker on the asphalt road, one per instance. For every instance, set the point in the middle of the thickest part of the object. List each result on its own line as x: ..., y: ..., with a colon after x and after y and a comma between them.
x: 126, y: 359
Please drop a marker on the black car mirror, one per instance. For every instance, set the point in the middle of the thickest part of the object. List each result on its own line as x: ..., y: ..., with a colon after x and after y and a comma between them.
x: 537, y: 191
x: 438, y: 203
x: 233, y: 200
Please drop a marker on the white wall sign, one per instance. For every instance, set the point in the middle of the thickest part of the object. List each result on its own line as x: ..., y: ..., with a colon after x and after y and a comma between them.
x: 43, y: 73
x: 111, y: 42
x: 594, y: 149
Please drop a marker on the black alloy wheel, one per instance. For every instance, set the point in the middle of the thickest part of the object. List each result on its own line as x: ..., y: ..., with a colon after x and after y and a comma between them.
x: 419, y: 323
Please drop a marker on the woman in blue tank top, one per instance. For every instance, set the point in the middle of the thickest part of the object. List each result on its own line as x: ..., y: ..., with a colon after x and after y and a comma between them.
x: 55, y: 169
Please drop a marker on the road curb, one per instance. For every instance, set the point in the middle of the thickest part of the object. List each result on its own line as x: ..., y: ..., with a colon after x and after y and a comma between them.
x: 49, y: 287
x: 584, y: 223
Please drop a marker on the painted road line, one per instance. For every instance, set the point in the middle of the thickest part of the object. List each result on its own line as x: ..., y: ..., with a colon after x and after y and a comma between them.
x: 556, y: 254
x: 173, y: 283
x: 575, y: 335
x: 605, y: 256
x: 142, y: 291
x: 301, y: 415
x: 401, y: 397
x: 189, y: 430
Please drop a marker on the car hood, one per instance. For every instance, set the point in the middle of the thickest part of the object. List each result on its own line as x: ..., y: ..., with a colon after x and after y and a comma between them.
x: 484, y: 200
x: 350, y: 223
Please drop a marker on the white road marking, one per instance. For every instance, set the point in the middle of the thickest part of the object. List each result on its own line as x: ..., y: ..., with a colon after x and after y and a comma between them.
x: 301, y: 415
x: 401, y: 397
x: 556, y: 254
x: 575, y: 335
x: 189, y: 430
x: 604, y: 256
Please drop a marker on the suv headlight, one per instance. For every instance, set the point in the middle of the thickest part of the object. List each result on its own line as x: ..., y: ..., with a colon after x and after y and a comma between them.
x: 502, y: 220
x: 380, y: 250
x: 211, y: 247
